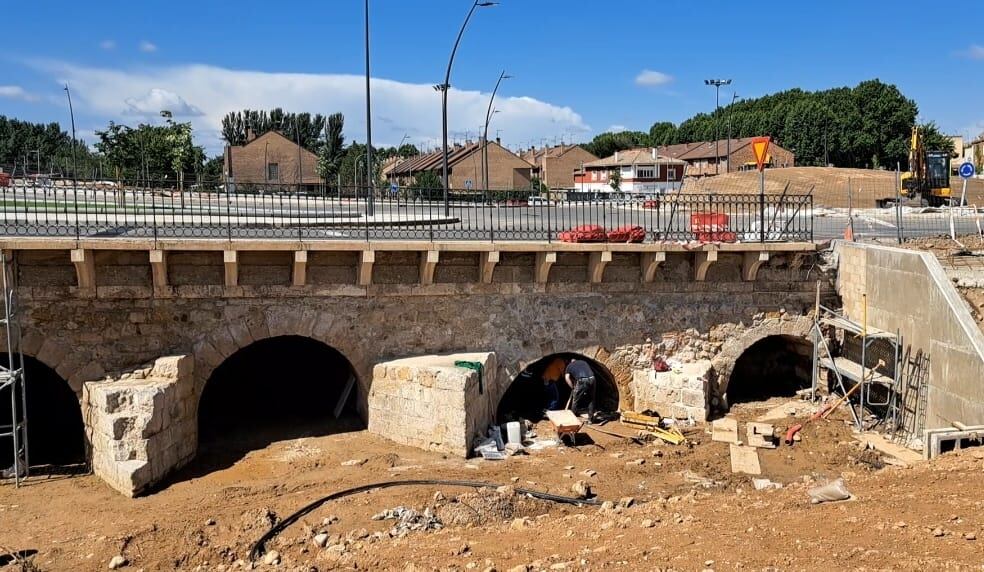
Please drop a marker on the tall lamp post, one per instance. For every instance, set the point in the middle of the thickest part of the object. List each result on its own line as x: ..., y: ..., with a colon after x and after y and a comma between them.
x: 370, y: 175
x: 734, y: 97
x: 485, y: 136
x: 717, y: 83
x: 443, y: 88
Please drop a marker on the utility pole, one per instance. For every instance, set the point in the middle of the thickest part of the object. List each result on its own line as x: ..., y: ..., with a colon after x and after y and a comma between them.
x: 717, y: 83
x: 369, y: 172
x: 444, y: 88
x: 734, y: 97
x: 485, y: 136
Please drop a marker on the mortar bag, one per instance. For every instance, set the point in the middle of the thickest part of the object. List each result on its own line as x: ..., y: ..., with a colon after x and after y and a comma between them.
x: 627, y: 233
x: 832, y: 491
x: 584, y: 233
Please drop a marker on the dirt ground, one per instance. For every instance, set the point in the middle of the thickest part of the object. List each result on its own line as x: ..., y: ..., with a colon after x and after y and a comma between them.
x: 829, y: 185
x: 687, y: 510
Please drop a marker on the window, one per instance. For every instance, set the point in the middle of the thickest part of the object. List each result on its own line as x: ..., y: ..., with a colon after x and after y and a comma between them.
x: 645, y: 172
x: 671, y: 174
x: 273, y: 171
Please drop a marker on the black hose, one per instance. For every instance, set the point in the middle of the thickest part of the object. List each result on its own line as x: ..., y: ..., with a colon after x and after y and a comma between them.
x: 259, y: 547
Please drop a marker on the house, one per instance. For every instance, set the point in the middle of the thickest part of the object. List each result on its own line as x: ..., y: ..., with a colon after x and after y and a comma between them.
x: 976, y: 152
x: 711, y: 157
x: 643, y: 172
x: 270, y: 160
x: 465, y: 171
x: 555, y: 165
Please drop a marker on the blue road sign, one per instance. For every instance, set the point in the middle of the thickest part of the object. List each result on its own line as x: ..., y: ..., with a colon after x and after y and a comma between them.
x: 967, y: 170
x: 468, y: 184
x: 393, y: 188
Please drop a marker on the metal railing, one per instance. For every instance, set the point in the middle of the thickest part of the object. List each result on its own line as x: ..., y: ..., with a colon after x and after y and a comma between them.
x: 313, y: 212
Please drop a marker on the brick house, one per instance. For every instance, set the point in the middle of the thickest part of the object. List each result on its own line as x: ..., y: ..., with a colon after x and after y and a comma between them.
x: 506, y: 170
x: 644, y: 172
x: 271, y: 159
x: 703, y: 158
x: 555, y: 165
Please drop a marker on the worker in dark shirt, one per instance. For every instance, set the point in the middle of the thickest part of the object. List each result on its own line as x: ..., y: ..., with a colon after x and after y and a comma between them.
x: 582, y: 381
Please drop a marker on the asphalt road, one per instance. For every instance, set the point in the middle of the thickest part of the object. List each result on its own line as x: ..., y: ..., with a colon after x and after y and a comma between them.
x: 95, y: 213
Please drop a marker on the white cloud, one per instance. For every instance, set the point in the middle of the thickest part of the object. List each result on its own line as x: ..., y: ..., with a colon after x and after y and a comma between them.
x: 650, y: 78
x: 147, y: 47
x: 107, y: 44
x: 616, y: 128
x: 974, y: 52
x: 157, y: 100
x: 17, y: 92
x: 399, y: 108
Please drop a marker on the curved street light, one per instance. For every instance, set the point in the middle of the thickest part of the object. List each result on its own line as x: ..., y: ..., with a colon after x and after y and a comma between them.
x: 443, y: 88
x: 485, y: 135
x: 717, y: 83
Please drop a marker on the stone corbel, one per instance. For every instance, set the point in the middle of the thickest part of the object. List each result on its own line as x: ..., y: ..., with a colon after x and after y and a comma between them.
x: 544, y: 260
x: 596, y: 265
x: 158, y: 269
x: 750, y: 264
x: 300, y: 267
x: 366, y: 259
x: 428, y: 262
x: 651, y: 261
x: 85, y: 268
x: 703, y: 261
x: 487, y: 262
x: 230, y: 260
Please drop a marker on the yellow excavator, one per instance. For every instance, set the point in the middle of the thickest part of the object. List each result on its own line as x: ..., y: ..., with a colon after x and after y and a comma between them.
x: 928, y: 177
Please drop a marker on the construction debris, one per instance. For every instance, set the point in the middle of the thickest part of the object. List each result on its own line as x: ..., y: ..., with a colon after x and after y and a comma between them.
x: 745, y: 460
x: 762, y: 435
x: 725, y: 430
x: 765, y: 484
x: 409, y: 520
x: 653, y: 425
x: 830, y: 492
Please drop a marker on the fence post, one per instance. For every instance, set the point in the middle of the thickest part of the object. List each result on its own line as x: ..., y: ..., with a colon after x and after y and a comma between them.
x: 762, y: 205
x: 228, y: 194
x: 898, y: 204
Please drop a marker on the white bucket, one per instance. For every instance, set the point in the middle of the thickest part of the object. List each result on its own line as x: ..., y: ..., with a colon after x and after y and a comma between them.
x: 514, y: 433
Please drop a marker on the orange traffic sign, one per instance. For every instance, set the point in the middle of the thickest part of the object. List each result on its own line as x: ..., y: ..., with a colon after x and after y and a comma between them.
x: 760, y: 146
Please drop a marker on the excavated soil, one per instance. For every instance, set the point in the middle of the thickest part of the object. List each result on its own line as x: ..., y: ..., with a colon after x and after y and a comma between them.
x: 675, y: 508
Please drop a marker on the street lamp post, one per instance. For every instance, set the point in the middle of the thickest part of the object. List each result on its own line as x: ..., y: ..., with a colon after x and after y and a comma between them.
x: 370, y: 207
x: 717, y: 83
x: 485, y: 136
x: 734, y: 97
x: 443, y: 88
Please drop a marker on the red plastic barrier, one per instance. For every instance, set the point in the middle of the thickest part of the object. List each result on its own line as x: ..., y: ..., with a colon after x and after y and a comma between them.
x: 627, y: 233
x: 584, y: 233
x: 711, y: 227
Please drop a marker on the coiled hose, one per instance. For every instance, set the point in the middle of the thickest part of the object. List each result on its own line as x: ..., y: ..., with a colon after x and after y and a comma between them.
x: 259, y: 547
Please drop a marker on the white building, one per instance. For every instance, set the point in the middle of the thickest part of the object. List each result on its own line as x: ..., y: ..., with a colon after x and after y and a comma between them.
x: 643, y: 172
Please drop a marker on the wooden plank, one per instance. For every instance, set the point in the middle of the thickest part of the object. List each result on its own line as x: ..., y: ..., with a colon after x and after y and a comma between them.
x: 852, y: 370
x: 745, y: 460
x: 879, y: 443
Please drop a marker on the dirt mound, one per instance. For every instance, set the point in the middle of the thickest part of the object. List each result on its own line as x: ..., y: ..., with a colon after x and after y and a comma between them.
x: 829, y: 185
x: 488, y: 506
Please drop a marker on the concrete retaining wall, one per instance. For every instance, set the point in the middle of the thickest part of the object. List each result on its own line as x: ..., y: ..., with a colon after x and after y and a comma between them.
x: 909, y: 291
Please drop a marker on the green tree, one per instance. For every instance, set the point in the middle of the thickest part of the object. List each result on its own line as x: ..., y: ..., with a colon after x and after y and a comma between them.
x: 662, y: 133
x: 606, y: 144
x: 332, y: 149
x: 615, y: 180
x: 302, y: 127
x: 934, y: 139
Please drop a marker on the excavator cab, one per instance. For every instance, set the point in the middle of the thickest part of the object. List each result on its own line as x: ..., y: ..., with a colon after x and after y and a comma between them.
x: 929, y: 173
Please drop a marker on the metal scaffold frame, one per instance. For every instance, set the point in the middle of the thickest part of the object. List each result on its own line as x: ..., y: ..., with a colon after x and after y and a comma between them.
x: 864, y: 376
x: 12, y: 378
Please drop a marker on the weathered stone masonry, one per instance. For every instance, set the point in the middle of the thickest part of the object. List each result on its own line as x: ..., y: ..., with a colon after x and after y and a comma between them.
x: 98, y: 311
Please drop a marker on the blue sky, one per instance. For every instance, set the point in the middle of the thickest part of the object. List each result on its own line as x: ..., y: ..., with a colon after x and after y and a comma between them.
x: 576, y: 63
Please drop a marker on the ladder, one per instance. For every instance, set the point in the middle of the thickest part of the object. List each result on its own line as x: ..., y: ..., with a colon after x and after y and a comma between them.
x: 13, y: 383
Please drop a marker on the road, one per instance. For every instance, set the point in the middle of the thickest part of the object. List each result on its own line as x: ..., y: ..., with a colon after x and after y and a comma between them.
x: 101, y: 213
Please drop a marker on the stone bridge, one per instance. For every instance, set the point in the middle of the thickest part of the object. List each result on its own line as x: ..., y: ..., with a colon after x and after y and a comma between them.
x: 103, y: 314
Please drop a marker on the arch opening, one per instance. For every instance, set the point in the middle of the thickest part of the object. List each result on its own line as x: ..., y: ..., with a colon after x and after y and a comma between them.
x: 775, y: 366
x: 55, y: 432
x: 527, y: 396
x: 275, y: 389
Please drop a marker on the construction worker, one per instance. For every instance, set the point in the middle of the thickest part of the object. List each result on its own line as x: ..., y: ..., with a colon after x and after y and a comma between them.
x: 551, y: 376
x: 580, y: 377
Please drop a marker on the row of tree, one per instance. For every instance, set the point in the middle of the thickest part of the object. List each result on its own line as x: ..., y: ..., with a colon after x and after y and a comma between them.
x: 867, y: 125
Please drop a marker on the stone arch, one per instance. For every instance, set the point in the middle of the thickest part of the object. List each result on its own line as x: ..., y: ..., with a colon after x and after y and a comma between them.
x: 732, y: 350
x: 73, y: 362
x: 520, y: 394
x: 222, y: 342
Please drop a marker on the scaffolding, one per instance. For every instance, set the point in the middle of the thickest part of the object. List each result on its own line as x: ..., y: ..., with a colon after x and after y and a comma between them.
x: 869, y: 360
x: 13, y: 383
